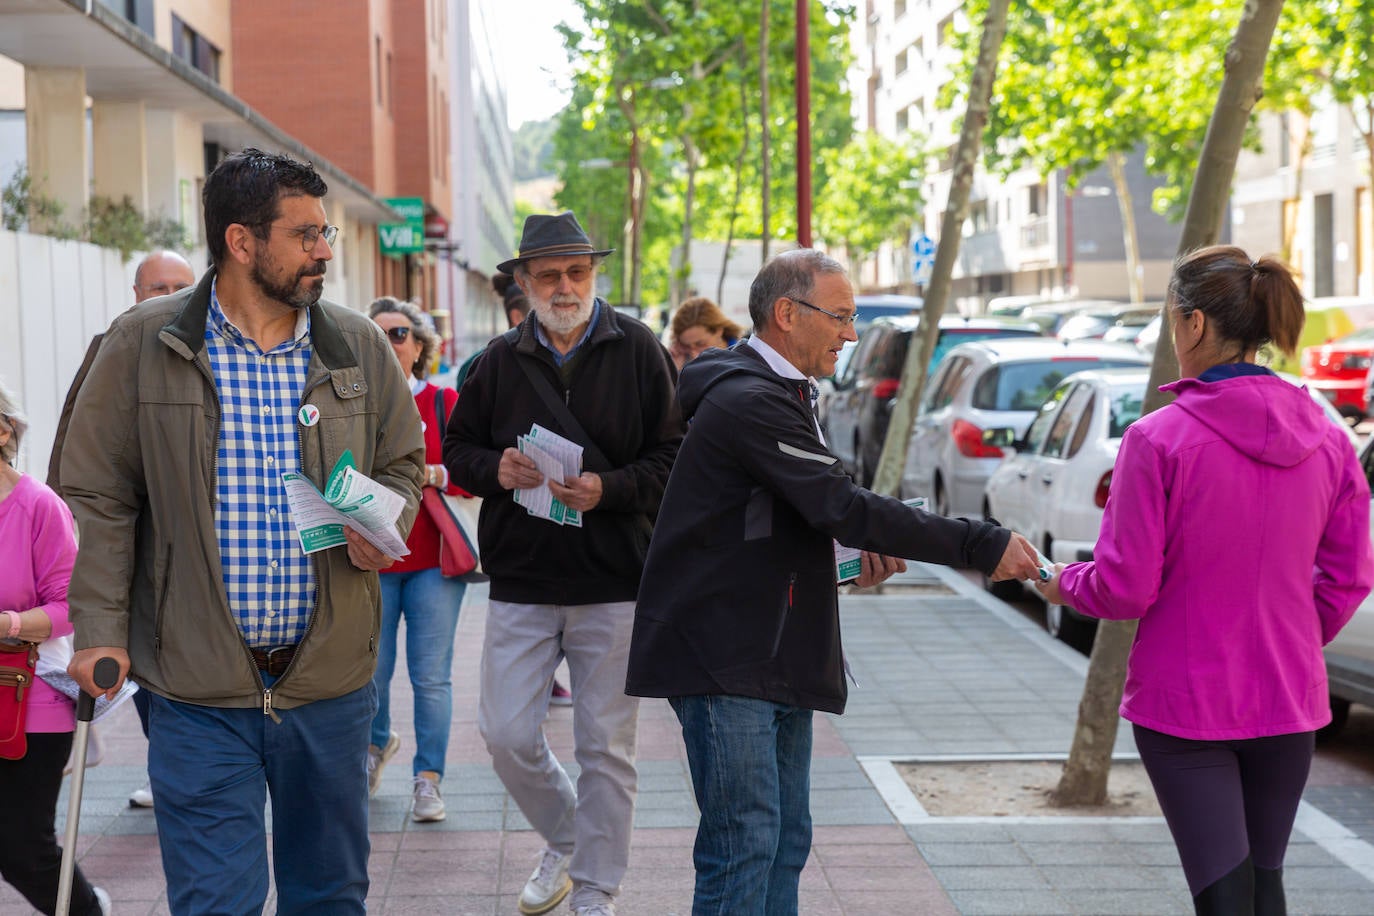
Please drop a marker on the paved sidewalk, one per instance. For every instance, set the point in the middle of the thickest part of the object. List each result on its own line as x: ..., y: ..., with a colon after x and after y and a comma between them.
x: 944, y: 672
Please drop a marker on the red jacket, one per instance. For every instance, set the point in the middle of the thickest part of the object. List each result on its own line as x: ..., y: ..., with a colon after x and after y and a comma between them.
x: 424, y: 537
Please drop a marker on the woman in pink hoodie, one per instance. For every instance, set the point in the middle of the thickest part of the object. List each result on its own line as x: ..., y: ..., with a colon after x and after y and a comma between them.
x: 1237, y: 533
x: 37, y: 548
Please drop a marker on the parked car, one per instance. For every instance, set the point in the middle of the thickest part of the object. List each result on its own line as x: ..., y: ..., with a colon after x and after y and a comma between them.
x: 855, y: 412
x: 983, y: 386
x: 1149, y: 336
x: 1121, y: 322
x: 1050, y: 316
x: 868, y: 307
x: 1350, y: 656
x: 1339, y: 369
x: 1053, y: 485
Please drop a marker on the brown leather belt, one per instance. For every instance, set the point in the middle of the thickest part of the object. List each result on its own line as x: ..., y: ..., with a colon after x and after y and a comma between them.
x: 273, y: 661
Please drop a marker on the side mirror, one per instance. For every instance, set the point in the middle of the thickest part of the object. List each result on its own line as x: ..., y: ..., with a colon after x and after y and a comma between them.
x: 1000, y: 437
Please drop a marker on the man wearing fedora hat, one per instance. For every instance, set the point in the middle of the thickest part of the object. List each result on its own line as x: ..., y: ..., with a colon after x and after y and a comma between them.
x: 577, y: 367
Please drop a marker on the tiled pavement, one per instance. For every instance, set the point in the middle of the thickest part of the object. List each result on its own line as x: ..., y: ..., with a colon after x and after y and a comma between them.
x: 942, y: 671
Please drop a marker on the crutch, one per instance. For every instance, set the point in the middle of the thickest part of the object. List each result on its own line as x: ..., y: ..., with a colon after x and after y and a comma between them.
x: 105, y: 675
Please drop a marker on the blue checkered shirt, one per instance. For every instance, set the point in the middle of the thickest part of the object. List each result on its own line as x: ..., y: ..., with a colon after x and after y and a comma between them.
x: 269, y: 580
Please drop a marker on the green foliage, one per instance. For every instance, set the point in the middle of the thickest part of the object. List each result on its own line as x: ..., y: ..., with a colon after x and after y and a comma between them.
x: 873, y: 194
x: 1079, y: 80
x: 24, y: 206
x: 117, y: 225
x: 533, y: 149
x: 684, y: 74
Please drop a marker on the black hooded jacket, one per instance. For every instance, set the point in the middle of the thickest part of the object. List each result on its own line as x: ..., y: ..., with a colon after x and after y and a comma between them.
x: 739, y: 595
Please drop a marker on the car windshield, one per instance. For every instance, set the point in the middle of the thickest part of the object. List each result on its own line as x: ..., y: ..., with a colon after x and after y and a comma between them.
x: 1126, y: 402
x: 951, y: 337
x: 1025, y: 385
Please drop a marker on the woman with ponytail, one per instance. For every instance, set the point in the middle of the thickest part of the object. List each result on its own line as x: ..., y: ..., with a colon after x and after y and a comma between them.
x: 1237, y: 533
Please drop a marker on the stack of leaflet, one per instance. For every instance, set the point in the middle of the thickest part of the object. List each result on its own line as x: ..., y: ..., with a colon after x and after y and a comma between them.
x: 557, y: 459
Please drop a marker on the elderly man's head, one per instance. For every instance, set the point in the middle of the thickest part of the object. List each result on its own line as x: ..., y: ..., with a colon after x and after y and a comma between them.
x: 161, y: 274
x: 556, y: 268
x: 802, y: 305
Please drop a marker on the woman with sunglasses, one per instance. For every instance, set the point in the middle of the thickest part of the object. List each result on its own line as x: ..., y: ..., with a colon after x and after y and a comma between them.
x: 415, y: 588
x: 1237, y: 533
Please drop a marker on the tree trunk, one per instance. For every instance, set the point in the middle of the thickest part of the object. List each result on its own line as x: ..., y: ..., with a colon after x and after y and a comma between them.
x: 684, y: 266
x: 739, y: 176
x: 1084, y: 780
x: 764, y: 169
x: 889, y: 473
x: 1135, y: 282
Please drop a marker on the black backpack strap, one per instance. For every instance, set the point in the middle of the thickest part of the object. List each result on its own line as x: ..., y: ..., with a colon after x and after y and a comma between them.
x: 440, y: 412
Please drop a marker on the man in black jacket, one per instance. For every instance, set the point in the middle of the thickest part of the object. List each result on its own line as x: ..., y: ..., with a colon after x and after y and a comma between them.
x: 737, y: 621
x: 578, y: 368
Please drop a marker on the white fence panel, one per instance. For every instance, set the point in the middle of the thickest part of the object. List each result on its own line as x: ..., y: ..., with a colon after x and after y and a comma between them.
x: 53, y: 297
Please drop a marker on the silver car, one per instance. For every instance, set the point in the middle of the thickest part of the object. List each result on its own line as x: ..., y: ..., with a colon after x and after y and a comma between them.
x: 1350, y: 656
x: 983, y: 386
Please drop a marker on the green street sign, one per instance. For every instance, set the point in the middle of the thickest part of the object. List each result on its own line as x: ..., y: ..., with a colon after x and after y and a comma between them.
x: 398, y: 239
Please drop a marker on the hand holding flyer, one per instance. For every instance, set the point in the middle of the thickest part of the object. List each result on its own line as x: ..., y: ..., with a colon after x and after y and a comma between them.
x: 351, y: 499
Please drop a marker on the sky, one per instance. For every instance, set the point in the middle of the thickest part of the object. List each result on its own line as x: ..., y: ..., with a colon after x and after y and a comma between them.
x: 537, y: 74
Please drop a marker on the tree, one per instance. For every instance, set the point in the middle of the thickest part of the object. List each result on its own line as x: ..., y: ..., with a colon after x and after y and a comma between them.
x: 956, y: 211
x: 1084, y: 780
x: 873, y: 194
x: 1085, y: 83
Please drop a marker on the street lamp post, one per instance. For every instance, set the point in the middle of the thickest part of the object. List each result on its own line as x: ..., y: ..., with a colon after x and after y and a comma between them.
x: 803, y: 57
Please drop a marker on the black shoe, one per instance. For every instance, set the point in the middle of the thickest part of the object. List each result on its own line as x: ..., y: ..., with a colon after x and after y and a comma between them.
x: 1231, y: 895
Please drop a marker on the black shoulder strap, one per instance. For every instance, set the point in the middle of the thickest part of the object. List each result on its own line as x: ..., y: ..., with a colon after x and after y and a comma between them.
x: 440, y: 412
x: 556, y: 405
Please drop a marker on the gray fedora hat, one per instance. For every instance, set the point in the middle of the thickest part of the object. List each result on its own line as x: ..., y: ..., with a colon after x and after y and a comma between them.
x: 551, y: 236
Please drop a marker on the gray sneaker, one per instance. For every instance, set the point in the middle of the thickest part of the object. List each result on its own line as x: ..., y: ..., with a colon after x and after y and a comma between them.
x: 428, y: 804
x: 102, y: 898
x: 376, y: 762
x: 142, y: 798
x: 595, y: 909
x: 548, y: 884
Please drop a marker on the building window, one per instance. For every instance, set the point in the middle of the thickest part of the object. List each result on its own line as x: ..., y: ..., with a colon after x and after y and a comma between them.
x: 390, y: 87
x: 899, y: 66
x: 1037, y: 199
x: 903, y: 120
x: 192, y: 47
x: 898, y: 9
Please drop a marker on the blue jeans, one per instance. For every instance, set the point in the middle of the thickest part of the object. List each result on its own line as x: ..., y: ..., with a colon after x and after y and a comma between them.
x: 212, y: 770
x: 751, y: 772
x: 430, y: 604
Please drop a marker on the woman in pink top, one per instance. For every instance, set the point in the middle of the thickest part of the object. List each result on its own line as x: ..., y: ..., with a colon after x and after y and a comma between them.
x: 37, y: 549
x: 1237, y: 533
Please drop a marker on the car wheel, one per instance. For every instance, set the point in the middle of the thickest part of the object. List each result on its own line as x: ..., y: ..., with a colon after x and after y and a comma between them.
x: 941, y: 498
x: 1340, y: 714
x: 860, y: 470
x: 1066, y: 626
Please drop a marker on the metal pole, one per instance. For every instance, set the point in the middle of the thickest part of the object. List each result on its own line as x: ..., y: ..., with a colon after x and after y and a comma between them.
x: 803, y: 124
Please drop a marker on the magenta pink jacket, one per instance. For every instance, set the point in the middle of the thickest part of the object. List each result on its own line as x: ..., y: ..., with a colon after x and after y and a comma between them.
x: 37, y: 549
x: 1237, y: 531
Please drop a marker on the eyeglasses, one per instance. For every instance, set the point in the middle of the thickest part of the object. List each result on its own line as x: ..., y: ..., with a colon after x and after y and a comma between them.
x: 846, y: 321
x: 550, y: 278
x: 398, y: 334
x: 309, y: 235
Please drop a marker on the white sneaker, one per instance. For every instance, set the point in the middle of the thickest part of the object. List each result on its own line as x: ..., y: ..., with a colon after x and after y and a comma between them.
x: 376, y: 762
x: 595, y: 909
x: 548, y: 884
x: 142, y: 798
x: 95, y: 752
x: 427, y: 803
x: 102, y: 897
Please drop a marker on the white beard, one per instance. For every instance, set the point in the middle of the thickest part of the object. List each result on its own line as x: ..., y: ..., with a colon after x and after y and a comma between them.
x: 561, y: 321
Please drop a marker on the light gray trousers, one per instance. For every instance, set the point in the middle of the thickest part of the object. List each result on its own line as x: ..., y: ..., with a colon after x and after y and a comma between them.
x: 524, y: 644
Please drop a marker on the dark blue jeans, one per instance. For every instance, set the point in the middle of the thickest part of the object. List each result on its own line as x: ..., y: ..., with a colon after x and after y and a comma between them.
x: 751, y: 772
x: 212, y: 770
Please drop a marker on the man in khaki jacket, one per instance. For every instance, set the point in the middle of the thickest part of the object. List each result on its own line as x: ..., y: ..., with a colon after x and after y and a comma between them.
x: 257, y: 658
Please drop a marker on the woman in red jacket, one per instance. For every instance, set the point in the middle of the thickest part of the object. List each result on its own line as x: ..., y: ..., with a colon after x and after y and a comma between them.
x: 415, y: 588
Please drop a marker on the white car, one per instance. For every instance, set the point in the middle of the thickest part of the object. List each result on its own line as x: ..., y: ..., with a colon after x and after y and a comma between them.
x: 1350, y: 656
x: 1053, y: 487
x: 986, y: 385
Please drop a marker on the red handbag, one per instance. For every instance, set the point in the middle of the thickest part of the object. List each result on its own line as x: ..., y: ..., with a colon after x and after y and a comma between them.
x: 458, y: 556
x: 17, y: 663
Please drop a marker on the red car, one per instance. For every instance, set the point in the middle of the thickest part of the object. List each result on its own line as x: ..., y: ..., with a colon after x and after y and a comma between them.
x: 1338, y: 369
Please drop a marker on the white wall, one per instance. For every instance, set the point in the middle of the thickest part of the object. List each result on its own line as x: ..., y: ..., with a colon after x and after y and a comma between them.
x: 54, y: 296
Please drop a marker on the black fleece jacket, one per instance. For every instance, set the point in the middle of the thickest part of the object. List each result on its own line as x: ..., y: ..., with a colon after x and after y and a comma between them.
x: 739, y: 595
x: 621, y: 391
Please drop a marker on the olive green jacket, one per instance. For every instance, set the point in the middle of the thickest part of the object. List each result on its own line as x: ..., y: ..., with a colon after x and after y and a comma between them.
x: 138, y: 470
